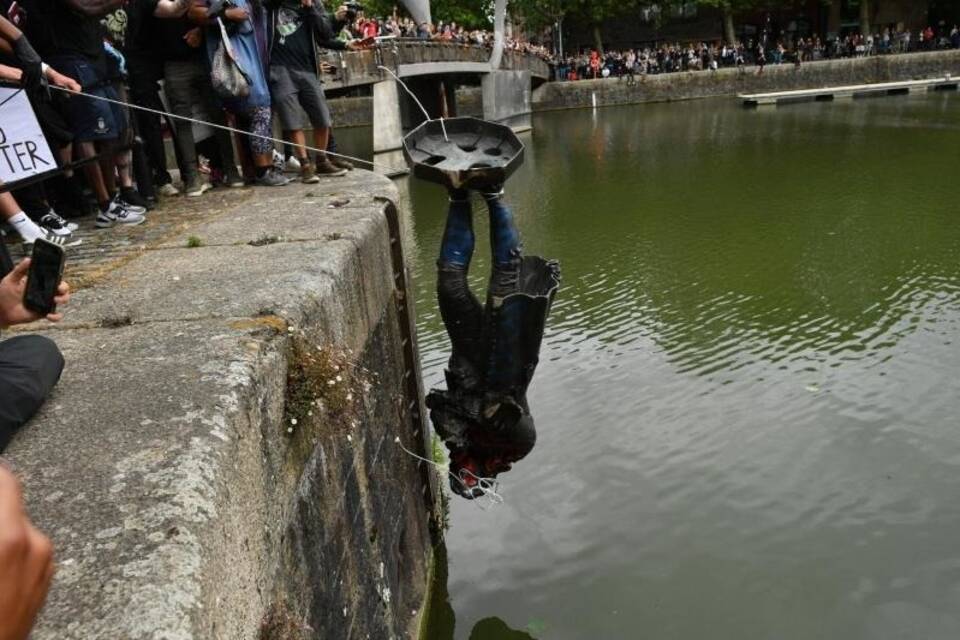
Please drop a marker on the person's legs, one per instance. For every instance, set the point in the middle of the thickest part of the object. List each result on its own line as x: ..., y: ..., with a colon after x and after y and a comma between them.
x: 178, y: 86
x: 258, y: 121
x: 200, y: 82
x: 314, y: 103
x: 12, y: 214
x: 286, y: 104
x: 144, y: 92
x: 91, y: 121
x: 30, y: 366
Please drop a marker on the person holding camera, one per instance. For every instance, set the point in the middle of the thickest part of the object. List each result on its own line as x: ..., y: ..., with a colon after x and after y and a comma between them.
x: 296, y: 29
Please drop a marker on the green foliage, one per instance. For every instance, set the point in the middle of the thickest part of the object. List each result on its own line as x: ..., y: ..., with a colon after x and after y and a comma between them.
x: 193, y: 242
x: 472, y: 14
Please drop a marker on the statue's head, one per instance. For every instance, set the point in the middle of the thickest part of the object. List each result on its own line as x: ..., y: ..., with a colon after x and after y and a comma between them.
x: 486, y: 445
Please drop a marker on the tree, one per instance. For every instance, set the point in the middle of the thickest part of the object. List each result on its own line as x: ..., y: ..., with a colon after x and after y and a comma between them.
x: 729, y: 9
x: 865, y: 17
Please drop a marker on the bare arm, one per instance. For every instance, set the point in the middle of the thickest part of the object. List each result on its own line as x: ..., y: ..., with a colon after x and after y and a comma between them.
x: 93, y: 7
x: 171, y: 8
x: 10, y: 74
x: 8, y: 31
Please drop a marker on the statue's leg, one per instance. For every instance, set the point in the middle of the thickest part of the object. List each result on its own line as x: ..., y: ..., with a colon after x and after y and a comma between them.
x: 504, y: 247
x: 461, y: 311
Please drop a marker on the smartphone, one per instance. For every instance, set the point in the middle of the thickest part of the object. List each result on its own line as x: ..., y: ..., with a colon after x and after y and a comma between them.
x: 43, y: 279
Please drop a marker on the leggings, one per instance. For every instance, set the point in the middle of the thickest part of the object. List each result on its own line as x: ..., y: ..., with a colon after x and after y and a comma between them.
x: 257, y: 120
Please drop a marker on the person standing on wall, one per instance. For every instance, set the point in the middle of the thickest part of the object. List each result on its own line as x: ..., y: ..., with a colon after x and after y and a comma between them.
x: 295, y: 28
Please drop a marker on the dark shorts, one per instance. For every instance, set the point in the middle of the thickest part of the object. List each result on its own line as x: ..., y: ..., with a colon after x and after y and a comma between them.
x: 293, y: 90
x: 90, y: 120
x: 55, y: 127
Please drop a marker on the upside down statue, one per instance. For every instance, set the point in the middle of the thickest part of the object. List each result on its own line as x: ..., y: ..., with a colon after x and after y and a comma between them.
x: 483, y: 415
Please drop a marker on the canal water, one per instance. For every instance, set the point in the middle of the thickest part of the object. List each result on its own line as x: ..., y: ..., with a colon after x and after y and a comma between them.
x: 748, y: 403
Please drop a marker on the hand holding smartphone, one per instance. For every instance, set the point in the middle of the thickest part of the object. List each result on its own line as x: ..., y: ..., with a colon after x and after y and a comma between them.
x: 44, y: 276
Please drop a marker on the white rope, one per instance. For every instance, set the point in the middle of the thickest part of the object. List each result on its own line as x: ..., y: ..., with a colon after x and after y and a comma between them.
x: 220, y: 126
x: 487, y: 486
x: 417, y: 100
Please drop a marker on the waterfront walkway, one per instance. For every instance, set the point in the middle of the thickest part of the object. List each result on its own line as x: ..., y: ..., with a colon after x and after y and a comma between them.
x: 188, y: 494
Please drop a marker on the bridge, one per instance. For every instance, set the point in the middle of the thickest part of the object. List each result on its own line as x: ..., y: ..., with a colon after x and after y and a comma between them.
x: 432, y: 70
x: 410, y: 57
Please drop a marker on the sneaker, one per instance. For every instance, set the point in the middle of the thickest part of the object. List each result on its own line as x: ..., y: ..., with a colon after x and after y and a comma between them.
x: 308, y: 175
x: 132, y: 200
x: 56, y: 225
x: 168, y: 190
x: 341, y: 163
x: 234, y: 181
x: 63, y: 241
x: 293, y: 165
x: 196, y: 187
x: 272, y: 178
x: 116, y: 213
x: 326, y: 168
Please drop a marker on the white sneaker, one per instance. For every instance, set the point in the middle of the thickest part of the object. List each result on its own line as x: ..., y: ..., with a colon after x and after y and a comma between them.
x: 168, y: 190
x: 292, y: 165
x: 132, y: 208
x: 49, y: 237
x: 117, y: 214
x: 53, y: 222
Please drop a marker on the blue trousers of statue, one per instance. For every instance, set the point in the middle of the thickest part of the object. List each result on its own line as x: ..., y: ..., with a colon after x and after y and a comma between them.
x: 460, y: 309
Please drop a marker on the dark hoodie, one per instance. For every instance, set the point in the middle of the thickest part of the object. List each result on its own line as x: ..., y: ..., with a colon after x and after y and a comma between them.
x: 322, y: 25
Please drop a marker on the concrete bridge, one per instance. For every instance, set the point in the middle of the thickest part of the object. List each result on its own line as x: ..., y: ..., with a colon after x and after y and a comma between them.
x: 432, y: 70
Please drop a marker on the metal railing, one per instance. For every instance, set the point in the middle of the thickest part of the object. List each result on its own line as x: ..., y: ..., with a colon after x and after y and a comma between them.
x: 354, y: 68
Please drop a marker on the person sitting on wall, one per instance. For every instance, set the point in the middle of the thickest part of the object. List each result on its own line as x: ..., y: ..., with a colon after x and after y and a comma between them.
x: 30, y: 365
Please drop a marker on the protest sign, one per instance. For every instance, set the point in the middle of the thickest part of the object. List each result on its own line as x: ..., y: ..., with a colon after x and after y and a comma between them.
x: 24, y: 151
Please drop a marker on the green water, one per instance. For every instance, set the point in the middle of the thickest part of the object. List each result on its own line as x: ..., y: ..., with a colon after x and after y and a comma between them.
x: 749, y: 392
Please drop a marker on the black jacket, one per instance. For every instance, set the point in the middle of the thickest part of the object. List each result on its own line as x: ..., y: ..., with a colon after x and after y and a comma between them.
x: 323, y: 26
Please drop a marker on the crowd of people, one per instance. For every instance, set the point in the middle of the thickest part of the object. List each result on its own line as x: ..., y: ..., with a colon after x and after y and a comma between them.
x: 702, y: 56
x: 401, y: 27
x: 242, y: 64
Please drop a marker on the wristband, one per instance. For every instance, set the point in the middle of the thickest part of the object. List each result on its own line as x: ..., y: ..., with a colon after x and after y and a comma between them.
x: 44, y: 67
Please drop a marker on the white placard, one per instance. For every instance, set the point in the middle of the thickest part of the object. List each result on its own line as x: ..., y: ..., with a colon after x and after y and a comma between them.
x: 24, y: 151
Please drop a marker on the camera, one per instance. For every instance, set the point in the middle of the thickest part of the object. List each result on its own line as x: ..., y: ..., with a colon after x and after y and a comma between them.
x: 353, y: 8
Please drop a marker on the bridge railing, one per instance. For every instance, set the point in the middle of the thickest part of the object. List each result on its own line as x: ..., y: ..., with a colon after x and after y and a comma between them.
x: 354, y: 68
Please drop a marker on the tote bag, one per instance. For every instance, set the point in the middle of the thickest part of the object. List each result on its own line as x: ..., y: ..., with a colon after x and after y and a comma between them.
x: 228, y: 78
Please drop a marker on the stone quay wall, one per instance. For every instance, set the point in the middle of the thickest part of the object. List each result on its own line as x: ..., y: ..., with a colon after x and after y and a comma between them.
x: 351, y: 112
x: 221, y: 459
x: 730, y: 82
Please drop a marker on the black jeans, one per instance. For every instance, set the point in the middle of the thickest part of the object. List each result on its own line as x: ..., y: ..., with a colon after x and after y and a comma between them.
x: 187, y: 82
x: 30, y: 366
x: 145, y: 76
